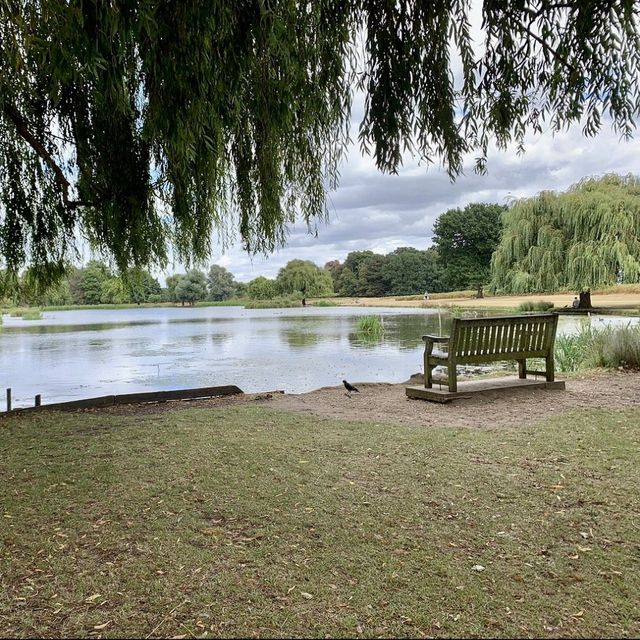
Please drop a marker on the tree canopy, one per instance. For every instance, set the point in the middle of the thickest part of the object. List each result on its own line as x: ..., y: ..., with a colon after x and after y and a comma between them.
x: 143, y: 125
x: 410, y: 271
x: 221, y: 284
x: 305, y: 278
x: 582, y: 238
x: 191, y: 287
x: 465, y: 240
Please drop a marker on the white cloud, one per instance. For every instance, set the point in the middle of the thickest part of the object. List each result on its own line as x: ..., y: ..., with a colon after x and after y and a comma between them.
x: 379, y: 212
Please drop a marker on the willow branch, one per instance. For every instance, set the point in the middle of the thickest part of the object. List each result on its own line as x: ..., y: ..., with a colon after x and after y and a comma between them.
x: 22, y: 127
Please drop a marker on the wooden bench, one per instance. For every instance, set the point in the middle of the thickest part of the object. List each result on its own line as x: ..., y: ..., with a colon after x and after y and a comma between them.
x: 479, y: 340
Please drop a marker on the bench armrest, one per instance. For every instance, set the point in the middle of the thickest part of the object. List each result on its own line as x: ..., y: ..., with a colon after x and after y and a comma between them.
x: 430, y: 341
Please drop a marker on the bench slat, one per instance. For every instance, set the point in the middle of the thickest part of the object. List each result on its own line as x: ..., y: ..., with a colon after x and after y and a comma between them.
x: 506, y: 337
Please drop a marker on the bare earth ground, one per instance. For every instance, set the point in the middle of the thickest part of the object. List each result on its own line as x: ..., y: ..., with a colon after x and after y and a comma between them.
x: 387, y: 403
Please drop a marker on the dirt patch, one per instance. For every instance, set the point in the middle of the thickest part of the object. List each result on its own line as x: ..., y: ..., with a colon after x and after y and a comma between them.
x: 388, y: 403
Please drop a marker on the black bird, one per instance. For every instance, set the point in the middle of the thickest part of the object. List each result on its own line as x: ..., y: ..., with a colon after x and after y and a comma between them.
x: 349, y: 387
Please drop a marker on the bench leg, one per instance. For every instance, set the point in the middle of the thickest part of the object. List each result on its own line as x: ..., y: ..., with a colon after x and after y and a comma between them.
x: 551, y: 371
x: 522, y: 369
x: 428, y: 375
x: 452, y: 379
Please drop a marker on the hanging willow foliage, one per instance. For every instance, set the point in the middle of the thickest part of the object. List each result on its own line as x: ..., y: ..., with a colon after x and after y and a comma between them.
x: 144, y: 125
x: 586, y: 237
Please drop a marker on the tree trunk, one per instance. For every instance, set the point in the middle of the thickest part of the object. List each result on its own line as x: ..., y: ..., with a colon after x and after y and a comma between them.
x: 585, y: 300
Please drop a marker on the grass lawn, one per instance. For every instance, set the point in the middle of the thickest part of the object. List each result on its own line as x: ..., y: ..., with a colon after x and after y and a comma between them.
x: 246, y: 521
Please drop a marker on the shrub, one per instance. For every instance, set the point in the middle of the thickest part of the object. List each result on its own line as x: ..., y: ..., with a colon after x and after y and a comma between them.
x: 621, y: 347
x: 610, y: 347
x: 32, y: 314
x: 325, y: 303
x: 569, y: 353
x: 539, y: 305
x: 280, y: 302
x: 26, y: 313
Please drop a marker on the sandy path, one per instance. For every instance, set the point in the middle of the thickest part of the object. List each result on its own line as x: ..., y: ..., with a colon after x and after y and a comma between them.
x: 388, y: 403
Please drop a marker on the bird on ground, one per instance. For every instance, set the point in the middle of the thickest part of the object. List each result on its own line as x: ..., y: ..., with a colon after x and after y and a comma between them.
x: 349, y: 387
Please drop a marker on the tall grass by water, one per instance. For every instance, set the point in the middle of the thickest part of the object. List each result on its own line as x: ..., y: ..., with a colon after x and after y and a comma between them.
x: 611, y: 347
x: 26, y: 313
x: 370, y: 325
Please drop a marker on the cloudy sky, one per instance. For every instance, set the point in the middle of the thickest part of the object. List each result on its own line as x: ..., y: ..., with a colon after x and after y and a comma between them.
x: 380, y: 212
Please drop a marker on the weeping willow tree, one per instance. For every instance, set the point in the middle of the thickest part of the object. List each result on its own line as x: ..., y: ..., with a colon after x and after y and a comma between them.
x: 142, y: 126
x: 586, y: 237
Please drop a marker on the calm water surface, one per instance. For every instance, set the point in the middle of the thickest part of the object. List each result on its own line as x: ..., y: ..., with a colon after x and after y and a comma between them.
x: 77, y: 354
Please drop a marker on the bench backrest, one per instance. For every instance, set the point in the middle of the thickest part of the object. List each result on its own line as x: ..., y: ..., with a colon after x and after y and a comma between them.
x: 527, y: 336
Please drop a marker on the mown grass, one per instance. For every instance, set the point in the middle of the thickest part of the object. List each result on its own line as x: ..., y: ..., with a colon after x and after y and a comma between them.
x: 252, y: 522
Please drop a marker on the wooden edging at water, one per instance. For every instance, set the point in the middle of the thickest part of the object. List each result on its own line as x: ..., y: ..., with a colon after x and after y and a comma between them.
x: 134, y: 398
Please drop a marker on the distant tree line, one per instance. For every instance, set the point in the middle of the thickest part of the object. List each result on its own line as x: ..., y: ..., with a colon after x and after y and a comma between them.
x: 93, y: 284
x: 460, y: 257
x: 582, y: 238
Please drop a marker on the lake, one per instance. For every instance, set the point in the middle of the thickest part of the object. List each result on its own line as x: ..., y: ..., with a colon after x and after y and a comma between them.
x: 68, y: 355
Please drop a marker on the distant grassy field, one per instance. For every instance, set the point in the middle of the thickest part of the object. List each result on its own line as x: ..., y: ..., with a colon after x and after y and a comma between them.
x: 246, y: 522
x: 624, y: 297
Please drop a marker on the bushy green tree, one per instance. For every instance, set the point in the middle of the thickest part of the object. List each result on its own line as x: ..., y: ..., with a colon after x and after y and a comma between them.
x: 58, y: 294
x: 114, y: 291
x: 334, y: 267
x: 142, y: 286
x: 111, y: 112
x: 465, y: 240
x: 262, y: 288
x: 172, y: 283
x: 409, y: 271
x: 192, y: 287
x: 585, y: 237
x: 92, y: 277
x: 371, y: 280
x: 74, y: 278
x: 305, y: 278
x: 220, y: 283
x: 350, y: 283
x: 241, y: 289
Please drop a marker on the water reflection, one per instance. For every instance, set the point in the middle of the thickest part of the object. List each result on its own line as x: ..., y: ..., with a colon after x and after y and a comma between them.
x: 30, y: 327
x: 404, y: 332
x: 297, y: 338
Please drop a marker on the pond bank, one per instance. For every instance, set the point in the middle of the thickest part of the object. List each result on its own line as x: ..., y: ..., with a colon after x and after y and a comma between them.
x: 387, y: 403
x: 608, y: 301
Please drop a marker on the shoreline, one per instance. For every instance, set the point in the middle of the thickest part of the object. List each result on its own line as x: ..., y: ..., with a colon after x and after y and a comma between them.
x: 602, y: 302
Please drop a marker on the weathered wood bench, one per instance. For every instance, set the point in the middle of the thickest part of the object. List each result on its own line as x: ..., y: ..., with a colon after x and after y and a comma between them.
x: 480, y: 340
